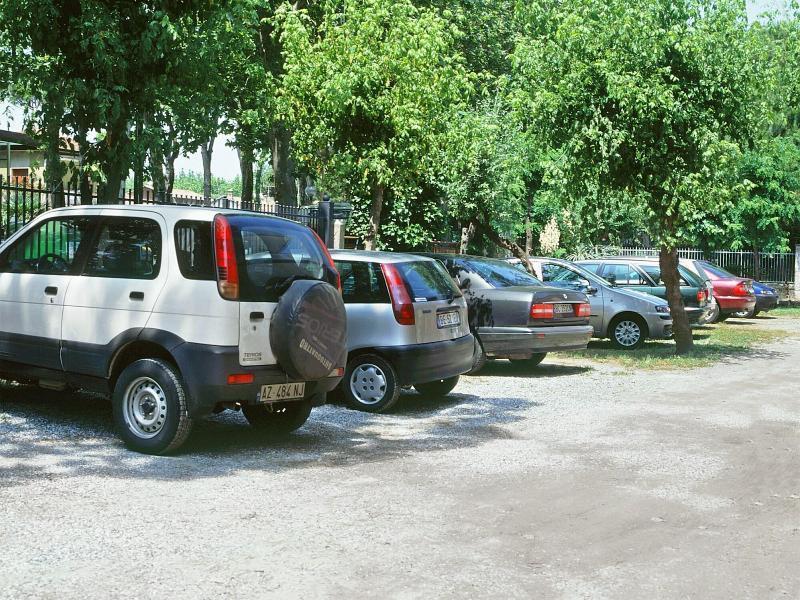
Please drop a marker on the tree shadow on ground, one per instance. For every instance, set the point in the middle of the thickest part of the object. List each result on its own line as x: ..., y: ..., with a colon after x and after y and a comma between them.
x: 49, y: 435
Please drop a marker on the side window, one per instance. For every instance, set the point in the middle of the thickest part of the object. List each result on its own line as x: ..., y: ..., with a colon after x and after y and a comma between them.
x: 623, y: 274
x: 126, y: 248
x: 362, y: 283
x: 194, y: 249
x: 654, y: 272
x: 51, y: 248
x: 592, y: 267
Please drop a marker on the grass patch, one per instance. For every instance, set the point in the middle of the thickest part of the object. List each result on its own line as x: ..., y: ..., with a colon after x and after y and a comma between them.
x: 712, y: 343
x: 788, y: 311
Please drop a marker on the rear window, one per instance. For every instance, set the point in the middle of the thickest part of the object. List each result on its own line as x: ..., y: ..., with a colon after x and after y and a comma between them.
x: 272, y: 254
x: 427, y: 281
x: 715, y: 272
x: 500, y: 274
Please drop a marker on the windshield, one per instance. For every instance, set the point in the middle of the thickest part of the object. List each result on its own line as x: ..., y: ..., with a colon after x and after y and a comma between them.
x: 499, y: 274
x: 715, y: 272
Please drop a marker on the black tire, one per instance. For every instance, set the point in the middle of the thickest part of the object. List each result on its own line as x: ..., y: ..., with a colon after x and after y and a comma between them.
x: 279, y: 420
x: 370, y: 384
x: 534, y: 361
x: 627, y: 332
x: 308, y: 330
x: 478, y: 358
x: 438, y: 388
x: 755, y: 313
x: 150, y: 405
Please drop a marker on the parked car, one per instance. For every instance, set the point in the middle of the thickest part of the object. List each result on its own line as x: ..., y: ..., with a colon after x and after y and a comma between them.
x: 407, y: 325
x: 175, y: 312
x: 733, y: 294
x: 766, y: 299
x: 626, y: 317
x: 644, y: 275
x: 515, y: 316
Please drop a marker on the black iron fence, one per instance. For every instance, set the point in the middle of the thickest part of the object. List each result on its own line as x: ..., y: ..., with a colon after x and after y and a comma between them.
x: 22, y: 200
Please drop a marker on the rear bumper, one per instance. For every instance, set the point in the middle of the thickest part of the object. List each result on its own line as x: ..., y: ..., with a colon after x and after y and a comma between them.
x: 421, y: 363
x: 695, y: 314
x: 766, y: 303
x: 502, y: 342
x: 205, y: 371
x: 732, y: 304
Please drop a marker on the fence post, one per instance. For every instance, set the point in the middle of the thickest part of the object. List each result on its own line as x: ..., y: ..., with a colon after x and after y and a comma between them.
x: 325, y: 224
x: 797, y: 271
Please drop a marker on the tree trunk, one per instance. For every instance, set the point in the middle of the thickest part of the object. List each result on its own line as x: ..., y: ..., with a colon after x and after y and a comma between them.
x: 84, y: 182
x: 528, y: 229
x: 54, y: 168
x: 246, y: 166
x: 515, y: 249
x: 157, y: 171
x: 466, y: 237
x: 283, y: 167
x: 206, y: 152
x: 116, y: 159
x: 169, y: 183
x: 371, y: 241
x: 682, y: 332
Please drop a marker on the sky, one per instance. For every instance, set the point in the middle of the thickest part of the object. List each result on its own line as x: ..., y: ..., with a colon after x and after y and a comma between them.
x: 225, y: 162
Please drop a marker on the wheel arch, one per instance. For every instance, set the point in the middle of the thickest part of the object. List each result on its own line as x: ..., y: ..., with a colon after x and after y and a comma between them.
x: 633, y: 316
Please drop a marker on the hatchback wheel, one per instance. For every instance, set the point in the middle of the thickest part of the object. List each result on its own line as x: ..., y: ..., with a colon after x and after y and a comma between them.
x: 370, y: 384
x: 150, y: 407
x: 281, y: 420
x: 627, y: 333
x: 438, y: 388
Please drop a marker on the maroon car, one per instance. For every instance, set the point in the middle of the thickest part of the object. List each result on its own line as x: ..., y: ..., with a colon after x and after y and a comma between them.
x: 733, y: 294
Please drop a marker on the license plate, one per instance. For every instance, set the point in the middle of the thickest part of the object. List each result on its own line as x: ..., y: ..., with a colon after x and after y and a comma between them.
x: 562, y: 309
x: 282, y: 391
x: 448, y: 319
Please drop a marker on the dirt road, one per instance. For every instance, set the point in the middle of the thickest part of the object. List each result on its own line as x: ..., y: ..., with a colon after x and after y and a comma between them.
x: 575, y: 481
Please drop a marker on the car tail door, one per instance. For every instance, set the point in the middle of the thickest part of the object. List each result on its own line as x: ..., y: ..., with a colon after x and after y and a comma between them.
x: 439, y: 308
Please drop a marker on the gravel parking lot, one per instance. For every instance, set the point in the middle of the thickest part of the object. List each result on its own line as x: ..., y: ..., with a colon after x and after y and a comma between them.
x: 578, y: 480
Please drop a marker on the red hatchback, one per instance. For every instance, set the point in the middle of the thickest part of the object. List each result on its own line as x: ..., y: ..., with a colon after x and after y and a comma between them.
x: 733, y: 294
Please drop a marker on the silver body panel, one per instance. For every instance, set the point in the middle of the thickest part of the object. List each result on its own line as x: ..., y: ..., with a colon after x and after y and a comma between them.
x: 607, y: 302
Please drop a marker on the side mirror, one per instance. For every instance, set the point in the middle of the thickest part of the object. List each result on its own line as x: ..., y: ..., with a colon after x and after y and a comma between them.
x: 591, y: 290
x: 464, y: 283
x: 612, y: 279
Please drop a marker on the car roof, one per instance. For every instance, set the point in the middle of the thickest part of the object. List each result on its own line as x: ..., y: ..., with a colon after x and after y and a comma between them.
x: 377, y: 256
x: 173, y: 212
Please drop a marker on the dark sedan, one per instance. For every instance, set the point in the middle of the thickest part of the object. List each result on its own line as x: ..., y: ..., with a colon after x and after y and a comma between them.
x: 513, y: 315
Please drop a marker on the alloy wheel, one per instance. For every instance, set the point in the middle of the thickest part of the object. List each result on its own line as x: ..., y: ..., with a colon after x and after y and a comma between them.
x: 627, y: 333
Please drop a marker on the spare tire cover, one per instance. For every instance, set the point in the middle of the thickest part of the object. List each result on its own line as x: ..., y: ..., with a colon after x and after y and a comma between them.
x: 308, y: 330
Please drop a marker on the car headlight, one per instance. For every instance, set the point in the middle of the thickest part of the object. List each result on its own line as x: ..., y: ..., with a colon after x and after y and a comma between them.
x: 662, y: 308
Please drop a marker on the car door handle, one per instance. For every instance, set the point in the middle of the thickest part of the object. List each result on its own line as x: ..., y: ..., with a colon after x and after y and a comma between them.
x: 256, y: 316
x: 51, y: 290
x: 136, y: 296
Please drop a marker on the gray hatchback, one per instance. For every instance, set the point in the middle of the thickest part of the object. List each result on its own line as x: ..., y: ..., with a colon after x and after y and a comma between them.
x: 407, y: 325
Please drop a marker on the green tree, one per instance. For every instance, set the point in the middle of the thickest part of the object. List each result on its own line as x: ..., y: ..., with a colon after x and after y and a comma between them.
x: 369, y: 93
x: 649, y: 100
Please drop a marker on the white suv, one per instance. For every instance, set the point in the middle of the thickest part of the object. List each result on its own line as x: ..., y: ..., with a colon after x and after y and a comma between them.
x: 176, y: 312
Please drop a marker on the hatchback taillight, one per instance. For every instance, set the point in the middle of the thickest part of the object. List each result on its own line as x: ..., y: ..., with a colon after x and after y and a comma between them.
x: 542, y: 311
x: 583, y: 310
x: 401, y: 301
x: 225, y: 253
x: 701, y: 295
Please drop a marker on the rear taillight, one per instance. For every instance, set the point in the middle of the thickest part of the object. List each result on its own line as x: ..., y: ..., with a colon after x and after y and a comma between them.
x: 227, y: 269
x: 740, y: 289
x: 583, y: 310
x: 401, y: 301
x: 330, y: 260
x: 701, y: 295
x: 240, y: 378
x: 542, y: 311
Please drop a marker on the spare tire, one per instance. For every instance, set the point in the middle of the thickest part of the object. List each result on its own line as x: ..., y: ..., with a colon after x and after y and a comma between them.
x: 308, y: 330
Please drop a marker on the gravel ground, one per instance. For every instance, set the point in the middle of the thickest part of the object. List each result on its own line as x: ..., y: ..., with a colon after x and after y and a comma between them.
x: 573, y: 481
